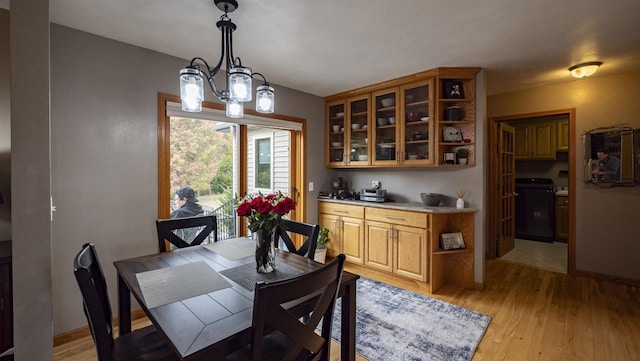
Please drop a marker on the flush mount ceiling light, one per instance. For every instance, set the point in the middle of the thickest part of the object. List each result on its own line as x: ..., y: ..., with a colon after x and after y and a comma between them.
x: 585, y: 69
x: 238, y: 78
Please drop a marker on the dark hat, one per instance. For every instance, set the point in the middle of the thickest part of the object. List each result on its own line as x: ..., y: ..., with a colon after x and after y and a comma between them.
x: 187, y: 193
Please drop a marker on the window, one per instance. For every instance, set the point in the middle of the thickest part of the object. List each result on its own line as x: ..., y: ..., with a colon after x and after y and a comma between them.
x: 262, y: 156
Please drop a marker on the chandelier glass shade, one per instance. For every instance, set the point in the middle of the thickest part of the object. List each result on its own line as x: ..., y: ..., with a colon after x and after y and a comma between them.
x: 238, y: 78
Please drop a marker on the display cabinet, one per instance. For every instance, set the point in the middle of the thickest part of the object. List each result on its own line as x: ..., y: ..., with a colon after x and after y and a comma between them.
x: 456, y: 114
x: 411, y: 121
x: 386, y: 130
x: 417, y: 124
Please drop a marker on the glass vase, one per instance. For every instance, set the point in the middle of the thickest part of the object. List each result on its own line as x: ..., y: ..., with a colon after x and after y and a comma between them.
x: 265, y: 251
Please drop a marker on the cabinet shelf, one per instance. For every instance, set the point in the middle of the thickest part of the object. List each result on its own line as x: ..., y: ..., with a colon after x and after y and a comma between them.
x: 456, y: 100
x: 417, y: 122
x: 443, y: 122
x: 421, y: 141
x: 451, y: 251
x: 416, y: 104
x: 454, y: 144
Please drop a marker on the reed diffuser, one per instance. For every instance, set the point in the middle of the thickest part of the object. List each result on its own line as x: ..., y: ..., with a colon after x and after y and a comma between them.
x: 460, y: 192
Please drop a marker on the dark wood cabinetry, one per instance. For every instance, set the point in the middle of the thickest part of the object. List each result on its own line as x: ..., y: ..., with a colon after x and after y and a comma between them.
x: 562, y: 218
x: 6, y: 297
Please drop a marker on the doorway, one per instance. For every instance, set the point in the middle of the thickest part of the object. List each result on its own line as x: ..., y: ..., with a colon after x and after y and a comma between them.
x: 502, y: 191
x: 254, y: 153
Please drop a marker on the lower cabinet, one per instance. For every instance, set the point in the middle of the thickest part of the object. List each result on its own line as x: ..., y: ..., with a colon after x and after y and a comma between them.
x: 562, y: 219
x: 402, y: 243
x: 6, y: 298
x: 397, y: 249
x: 345, y: 232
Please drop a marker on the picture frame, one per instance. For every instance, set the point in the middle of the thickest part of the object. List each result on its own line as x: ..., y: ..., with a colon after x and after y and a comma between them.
x: 449, y: 158
x: 453, y: 89
x: 450, y: 241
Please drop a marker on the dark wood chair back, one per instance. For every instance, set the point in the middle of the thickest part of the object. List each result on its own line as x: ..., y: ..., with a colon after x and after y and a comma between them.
x: 186, y: 232
x: 142, y: 344
x: 294, y: 337
x: 93, y: 287
x: 307, y: 230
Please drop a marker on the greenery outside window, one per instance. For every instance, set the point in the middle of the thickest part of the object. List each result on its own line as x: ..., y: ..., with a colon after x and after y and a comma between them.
x: 263, y: 168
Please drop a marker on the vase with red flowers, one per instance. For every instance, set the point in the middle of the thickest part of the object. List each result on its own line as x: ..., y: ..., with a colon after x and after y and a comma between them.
x: 263, y: 213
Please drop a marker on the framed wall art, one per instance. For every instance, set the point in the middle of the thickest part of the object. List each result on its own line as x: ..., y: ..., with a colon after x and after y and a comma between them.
x: 453, y: 89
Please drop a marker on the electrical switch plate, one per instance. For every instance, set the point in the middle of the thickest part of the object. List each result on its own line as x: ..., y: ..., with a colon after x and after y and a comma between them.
x: 375, y: 184
x: 310, y: 186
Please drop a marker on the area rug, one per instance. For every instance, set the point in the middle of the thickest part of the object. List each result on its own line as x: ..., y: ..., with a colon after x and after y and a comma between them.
x: 393, y: 324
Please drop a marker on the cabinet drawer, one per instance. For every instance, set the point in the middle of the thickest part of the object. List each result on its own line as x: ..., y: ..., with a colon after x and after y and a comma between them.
x: 341, y: 209
x: 414, y: 219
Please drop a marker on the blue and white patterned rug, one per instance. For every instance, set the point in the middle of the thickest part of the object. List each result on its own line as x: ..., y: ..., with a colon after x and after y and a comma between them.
x: 393, y: 324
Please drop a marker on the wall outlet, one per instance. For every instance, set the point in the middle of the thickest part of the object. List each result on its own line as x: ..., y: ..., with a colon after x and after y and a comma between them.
x: 375, y: 184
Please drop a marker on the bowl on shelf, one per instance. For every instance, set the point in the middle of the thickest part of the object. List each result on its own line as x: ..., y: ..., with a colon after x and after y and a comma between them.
x: 336, y: 144
x: 383, y: 121
x: 355, y: 126
x: 431, y: 199
x: 388, y: 102
x: 362, y: 157
x: 412, y: 156
x: 336, y: 128
x: 392, y: 120
x: 341, y: 114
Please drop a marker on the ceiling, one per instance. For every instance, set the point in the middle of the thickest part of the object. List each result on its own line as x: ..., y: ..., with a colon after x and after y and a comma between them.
x: 323, y: 47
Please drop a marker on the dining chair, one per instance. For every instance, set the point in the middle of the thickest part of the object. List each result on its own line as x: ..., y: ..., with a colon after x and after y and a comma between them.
x: 186, y: 232
x: 308, y: 231
x: 278, y: 332
x: 142, y: 344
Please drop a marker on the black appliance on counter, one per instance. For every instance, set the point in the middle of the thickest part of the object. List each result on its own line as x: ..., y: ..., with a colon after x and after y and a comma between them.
x: 535, y: 209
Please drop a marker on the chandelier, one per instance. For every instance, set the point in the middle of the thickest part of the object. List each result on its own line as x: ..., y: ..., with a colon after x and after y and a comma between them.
x: 238, y: 78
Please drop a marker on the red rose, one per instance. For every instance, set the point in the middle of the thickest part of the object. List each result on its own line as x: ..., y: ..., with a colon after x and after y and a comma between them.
x: 281, y: 209
x: 244, y: 209
x: 290, y: 203
x: 270, y: 197
x: 257, y: 201
x: 264, y: 207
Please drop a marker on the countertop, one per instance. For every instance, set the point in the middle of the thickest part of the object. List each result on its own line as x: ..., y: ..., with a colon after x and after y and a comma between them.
x: 403, y: 206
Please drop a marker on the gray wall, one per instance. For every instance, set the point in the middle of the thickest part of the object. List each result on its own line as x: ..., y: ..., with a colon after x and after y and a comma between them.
x: 104, y: 153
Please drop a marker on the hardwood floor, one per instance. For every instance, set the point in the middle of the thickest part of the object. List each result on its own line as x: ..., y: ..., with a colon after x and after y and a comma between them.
x: 536, y: 315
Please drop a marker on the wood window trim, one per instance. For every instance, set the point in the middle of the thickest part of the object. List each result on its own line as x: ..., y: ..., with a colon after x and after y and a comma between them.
x: 297, y: 171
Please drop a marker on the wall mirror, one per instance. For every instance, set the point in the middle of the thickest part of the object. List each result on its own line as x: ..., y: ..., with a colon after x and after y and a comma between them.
x: 612, y: 156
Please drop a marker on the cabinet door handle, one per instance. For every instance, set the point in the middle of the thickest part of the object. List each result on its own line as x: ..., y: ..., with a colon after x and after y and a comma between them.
x: 395, y: 218
x: 340, y: 211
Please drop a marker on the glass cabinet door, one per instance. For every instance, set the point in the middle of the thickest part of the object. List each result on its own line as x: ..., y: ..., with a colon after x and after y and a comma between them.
x: 336, y: 135
x: 385, y: 127
x: 417, y: 100
x: 358, y: 120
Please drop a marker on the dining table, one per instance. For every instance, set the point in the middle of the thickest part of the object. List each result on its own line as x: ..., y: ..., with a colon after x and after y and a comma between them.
x: 201, y: 297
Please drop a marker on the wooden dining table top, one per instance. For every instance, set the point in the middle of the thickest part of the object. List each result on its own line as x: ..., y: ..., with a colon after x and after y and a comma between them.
x: 215, y: 323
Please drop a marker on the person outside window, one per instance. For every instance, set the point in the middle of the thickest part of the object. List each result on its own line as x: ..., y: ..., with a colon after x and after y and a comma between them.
x: 608, y: 166
x: 186, y: 203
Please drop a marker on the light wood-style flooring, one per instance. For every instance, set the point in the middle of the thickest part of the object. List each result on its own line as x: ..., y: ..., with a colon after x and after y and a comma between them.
x: 536, y: 315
